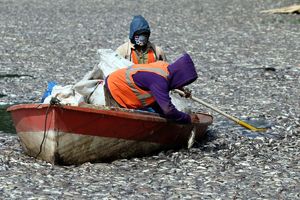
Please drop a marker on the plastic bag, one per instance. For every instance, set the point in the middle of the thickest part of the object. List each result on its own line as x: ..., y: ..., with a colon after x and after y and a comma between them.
x: 48, y: 91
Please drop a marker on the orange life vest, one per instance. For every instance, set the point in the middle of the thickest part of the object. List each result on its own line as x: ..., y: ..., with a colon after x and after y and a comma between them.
x: 126, y: 93
x: 151, y: 57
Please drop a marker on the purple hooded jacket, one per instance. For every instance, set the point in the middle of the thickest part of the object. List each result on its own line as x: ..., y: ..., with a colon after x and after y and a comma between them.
x: 181, y: 73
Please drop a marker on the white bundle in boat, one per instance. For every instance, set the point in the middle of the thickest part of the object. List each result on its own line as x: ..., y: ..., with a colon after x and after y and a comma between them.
x: 66, y: 95
x: 91, y: 85
x: 110, y: 61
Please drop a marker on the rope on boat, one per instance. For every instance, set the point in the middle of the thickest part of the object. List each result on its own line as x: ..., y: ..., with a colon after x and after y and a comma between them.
x: 89, y: 96
x: 53, y: 101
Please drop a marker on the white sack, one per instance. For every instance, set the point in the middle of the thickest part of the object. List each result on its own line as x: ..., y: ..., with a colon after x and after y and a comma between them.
x: 86, y: 87
x: 98, y: 97
x: 110, y: 61
x: 92, y: 90
x: 89, y: 86
x: 66, y: 95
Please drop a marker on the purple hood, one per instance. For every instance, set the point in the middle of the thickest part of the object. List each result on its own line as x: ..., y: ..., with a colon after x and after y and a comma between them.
x: 182, y: 72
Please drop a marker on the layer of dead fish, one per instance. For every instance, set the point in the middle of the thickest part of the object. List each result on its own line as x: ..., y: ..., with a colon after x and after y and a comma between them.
x: 248, y: 66
x: 219, y: 167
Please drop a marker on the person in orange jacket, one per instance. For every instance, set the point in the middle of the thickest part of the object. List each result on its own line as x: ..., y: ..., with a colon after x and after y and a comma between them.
x: 139, y: 49
x: 148, y: 85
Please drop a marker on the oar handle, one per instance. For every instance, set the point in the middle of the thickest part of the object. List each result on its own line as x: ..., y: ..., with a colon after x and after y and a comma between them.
x: 208, y: 105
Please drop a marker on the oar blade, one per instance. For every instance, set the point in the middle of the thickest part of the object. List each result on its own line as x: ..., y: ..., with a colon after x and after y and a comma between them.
x: 250, y: 127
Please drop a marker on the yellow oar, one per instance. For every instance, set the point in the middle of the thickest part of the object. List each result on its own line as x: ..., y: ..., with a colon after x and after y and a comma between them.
x: 240, y: 122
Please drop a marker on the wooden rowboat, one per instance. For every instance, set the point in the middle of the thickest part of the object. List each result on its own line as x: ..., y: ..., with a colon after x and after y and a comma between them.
x: 73, y: 135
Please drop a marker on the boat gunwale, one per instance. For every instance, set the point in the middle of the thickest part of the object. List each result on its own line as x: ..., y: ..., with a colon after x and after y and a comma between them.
x: 124, y: 113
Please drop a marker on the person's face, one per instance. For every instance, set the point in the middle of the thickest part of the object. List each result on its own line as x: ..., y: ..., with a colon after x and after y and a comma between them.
x: 141, y: 39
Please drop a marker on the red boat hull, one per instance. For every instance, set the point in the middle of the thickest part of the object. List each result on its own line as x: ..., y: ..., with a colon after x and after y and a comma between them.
x: 73, y: 135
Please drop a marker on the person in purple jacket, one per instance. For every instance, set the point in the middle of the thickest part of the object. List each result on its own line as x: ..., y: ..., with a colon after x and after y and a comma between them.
x: 148, y: 85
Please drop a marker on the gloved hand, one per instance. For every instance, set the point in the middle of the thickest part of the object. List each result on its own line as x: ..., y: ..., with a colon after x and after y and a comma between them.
x: 194, y: 118
x: 187, y: 92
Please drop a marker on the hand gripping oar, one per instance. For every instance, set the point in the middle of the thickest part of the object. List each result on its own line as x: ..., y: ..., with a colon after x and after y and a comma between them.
x: 240, y: 122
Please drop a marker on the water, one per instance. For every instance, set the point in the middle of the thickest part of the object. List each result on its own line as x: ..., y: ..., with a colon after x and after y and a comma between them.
x: 6, y: 124
x: 258, y: 122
